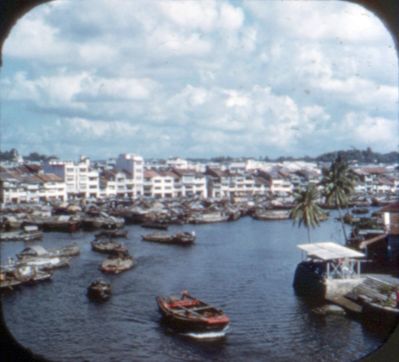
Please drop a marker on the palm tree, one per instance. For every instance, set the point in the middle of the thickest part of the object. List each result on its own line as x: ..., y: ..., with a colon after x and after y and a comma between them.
x: 306, y: 210
x: 339, y: 183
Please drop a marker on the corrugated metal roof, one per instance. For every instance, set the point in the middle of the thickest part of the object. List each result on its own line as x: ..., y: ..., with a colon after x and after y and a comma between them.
x: 329, y: 251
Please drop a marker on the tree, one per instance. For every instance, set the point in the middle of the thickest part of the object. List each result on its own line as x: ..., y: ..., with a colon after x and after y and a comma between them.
x: 339, y: 183
x: 306, y: 210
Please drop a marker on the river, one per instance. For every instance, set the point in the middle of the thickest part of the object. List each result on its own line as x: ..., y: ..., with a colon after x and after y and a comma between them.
x: 245, y: 267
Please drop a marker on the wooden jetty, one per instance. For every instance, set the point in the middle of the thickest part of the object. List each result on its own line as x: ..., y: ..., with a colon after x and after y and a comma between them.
x: 332, y: 271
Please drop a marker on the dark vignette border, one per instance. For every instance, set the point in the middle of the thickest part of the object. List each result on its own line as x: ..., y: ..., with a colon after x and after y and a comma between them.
x: 11, y: 10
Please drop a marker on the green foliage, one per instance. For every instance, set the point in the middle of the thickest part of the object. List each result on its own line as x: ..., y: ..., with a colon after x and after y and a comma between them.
x: 339, y: 183
x: 361, y: 156
x: 33, y: 156
x: 354, y: 155
x: 306, y: 210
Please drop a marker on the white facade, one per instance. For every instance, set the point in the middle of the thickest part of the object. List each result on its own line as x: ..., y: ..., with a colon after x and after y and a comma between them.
x: 280, y: 186
x: 134, y: 165
x: 115, y: 184
x: 191, y: 183
x: 32, y: 188
x: 177, y: 163
x: 160, y: 184
x: 80, y: 179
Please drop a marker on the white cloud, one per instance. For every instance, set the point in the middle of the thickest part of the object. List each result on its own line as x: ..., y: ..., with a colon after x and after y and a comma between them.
x: 191, y: 14
x: 77, y: 90
x: 231, y: 18
x: 33, y: 38
x: 175, y: 43
x: 97, y: 130
x: 372, y: 131
x: 315, y: 20
x: 204, y: 76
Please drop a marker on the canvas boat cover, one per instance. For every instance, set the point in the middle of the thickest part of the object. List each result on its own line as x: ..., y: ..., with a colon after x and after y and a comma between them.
x: 329, y: 251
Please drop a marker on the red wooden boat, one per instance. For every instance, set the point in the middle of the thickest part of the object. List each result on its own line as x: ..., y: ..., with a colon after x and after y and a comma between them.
x: 188, y: 314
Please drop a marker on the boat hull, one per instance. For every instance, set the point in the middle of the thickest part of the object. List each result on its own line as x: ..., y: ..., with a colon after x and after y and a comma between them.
x: 308, y: 280
x: 190, y: 325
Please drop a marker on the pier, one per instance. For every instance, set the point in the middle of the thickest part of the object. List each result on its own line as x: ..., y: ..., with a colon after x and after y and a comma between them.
x: 334, y: 271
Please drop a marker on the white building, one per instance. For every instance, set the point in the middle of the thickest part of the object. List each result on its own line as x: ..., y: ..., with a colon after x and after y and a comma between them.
x: 160, y: 184
x: 190, y: 183
x: 81, y: 180
x: 115, y: 184
x: 177, y: 163
x: 134, y: 166
x: 223, y: 184
x: 17, y: 187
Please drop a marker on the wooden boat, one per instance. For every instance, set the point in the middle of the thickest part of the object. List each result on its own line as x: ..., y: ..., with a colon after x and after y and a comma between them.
x: 29, y: 233
x: 117, y: 233
x: 188, y: 314
x: 108, y: 246
x: 99, y: 290
x: 103, y: 221
x: 39, y: 251
x: 155, y: 225
x: 116, y: 264
x: 14, y: 275
x: 360, y: 210
x: 271, y: 214
x: 208, y: 217
x: 182, y: 238
x: 44, y: 263
x: 62, y: 223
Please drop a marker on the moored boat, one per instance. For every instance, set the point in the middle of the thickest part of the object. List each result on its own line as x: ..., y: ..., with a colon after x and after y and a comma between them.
x: 155, y: 225
x: 360, y: 210
x: 182, y: 238
x: 14, y: 275
x: 99, y: 290
x: 108, y: 246
x: 113, y: 233
x: 271, y: 214
x: 116, y: 264
x: 61, y: 223
x: 44, y: 263
x: 188, y: 314
x: 29, y: 233
x: 39, y: 251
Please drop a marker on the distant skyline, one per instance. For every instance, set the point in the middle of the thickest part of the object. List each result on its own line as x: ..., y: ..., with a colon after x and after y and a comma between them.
x: 198, y: 79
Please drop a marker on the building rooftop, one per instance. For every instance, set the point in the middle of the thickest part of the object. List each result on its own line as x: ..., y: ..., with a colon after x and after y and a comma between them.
x: 329, y: 251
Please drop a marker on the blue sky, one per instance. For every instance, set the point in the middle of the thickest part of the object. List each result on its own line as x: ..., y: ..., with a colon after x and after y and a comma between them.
x: 198, y: 79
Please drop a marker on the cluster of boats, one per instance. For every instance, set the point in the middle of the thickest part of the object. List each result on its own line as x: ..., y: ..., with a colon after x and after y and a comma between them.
x: 34, y: 264
x: 114, y: 214
x: 118, y: 259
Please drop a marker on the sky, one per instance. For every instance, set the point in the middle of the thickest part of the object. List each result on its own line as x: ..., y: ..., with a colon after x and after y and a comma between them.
x: 198, y: 79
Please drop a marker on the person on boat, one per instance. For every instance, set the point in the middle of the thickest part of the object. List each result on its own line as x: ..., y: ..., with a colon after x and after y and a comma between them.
x: 185, y: 294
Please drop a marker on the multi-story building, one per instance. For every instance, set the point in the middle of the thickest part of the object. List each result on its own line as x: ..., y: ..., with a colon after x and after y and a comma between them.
x: 223, y: 184
x: 18, y: 186
x: 279, y: 182
x: 160, y: 184
x: 115, y: 184
x: 177, y: 163
x: 80, y: 178
x: 134, y: 166
x: 190, y: 183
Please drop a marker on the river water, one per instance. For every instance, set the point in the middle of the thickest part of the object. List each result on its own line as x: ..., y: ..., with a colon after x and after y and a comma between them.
x: 245, y: 267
